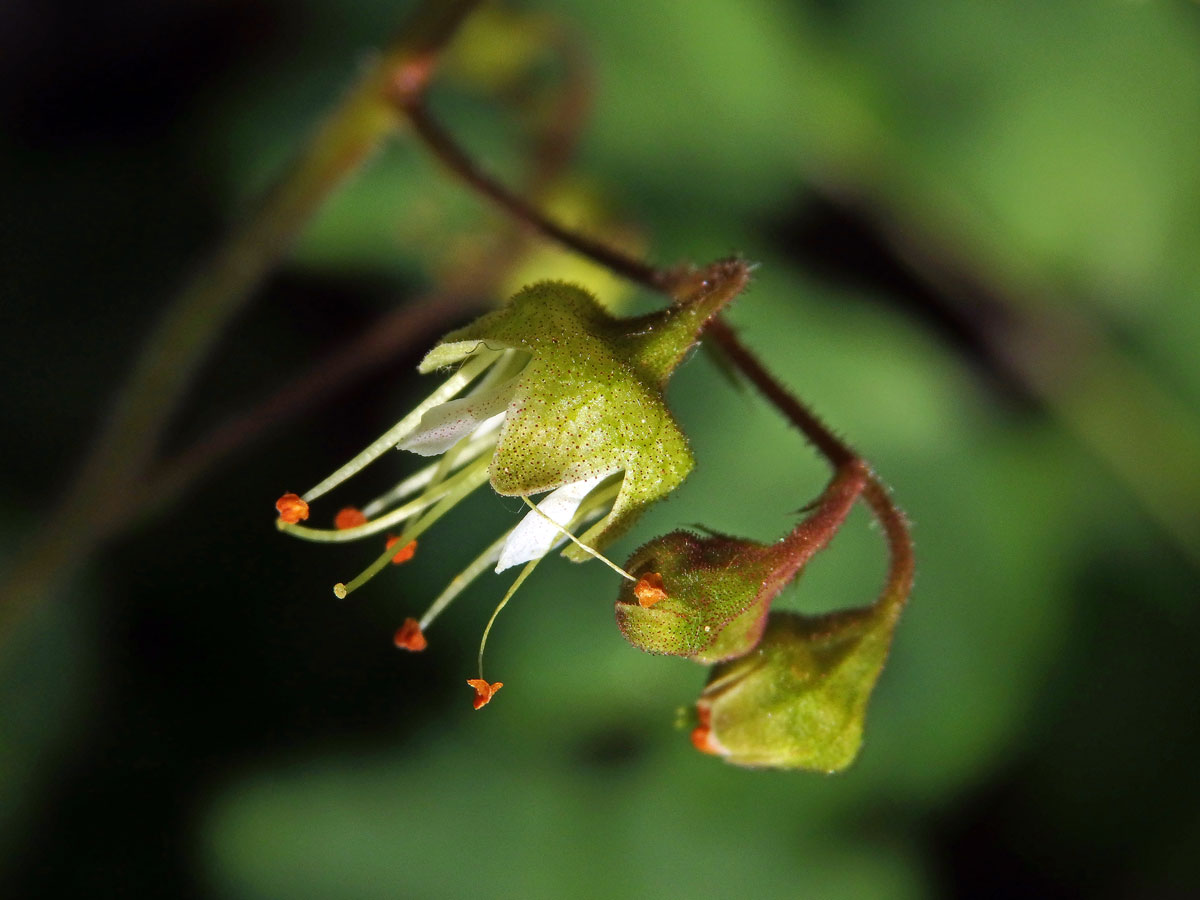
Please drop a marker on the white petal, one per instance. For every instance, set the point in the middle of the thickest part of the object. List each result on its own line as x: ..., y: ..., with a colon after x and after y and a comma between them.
x: 534, y: 536
x: 445, y: 425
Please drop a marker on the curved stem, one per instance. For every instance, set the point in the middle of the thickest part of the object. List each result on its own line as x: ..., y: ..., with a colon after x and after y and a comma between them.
x: 840, y: 455
x: 829, y: 444
x: 456, y: 159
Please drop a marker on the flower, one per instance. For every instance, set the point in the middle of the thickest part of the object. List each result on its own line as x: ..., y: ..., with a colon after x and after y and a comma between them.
x: 548, y: 395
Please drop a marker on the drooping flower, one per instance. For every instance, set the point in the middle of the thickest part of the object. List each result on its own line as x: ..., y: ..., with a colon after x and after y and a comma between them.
x: 548, y: 395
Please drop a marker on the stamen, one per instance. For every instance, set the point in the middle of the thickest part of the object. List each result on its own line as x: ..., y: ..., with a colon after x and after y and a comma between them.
x: 349, y: 517
x: 525, y: 573
x: 649, y: 589
x: 424, y: 477
x: 702, y: 736
x: 407, y: 552
x: 463, y: 579
x: 465, y: 482
x: 409, y: 636
x: 484, y: 438
x: 595, y: 553
x: 483, y: 691
x: 452, y: 486
x: 453, y: 385
x: 591, y: 509
x: 291, y: 509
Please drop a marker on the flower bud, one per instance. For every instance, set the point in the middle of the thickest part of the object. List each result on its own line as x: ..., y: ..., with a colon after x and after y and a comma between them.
x: 717, y: 588
x: 799, y: 700
x: 711, y: 594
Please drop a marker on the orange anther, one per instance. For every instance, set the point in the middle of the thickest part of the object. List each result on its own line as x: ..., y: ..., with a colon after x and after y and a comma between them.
x: 483, y: 690
x: 410, y: 637
x: 702, y: 737
x: 407, y: 552
x: 291, y: 508
x: 349, y: 517
x: 702, y: 740
x: 649, y: 589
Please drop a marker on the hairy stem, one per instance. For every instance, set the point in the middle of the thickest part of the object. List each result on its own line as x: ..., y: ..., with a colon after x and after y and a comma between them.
x: 456, y: 159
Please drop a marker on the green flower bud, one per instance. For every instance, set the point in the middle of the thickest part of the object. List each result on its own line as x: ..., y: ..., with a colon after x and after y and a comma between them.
x: 716, y: 590
x: 799, y: 700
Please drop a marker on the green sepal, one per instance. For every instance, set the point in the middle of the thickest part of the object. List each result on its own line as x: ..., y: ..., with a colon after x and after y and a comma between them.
x: 718, y: 589
x: 799, y: 700
x: 590, y: 400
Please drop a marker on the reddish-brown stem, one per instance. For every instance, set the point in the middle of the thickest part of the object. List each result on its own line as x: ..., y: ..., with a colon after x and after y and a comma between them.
x: 829, y: 444
x: 839, y: 454
x: 453, y: 157
x: 903, y: 562
x: 813, y: 534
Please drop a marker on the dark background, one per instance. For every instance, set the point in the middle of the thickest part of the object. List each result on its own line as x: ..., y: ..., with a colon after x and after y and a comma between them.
x: 962, y: 214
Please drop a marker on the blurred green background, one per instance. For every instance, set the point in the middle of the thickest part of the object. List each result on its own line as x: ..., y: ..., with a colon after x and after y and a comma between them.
x: 979, y: 230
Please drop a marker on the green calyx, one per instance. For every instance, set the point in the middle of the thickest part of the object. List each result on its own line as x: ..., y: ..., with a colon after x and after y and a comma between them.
x: 590, y: 399
x: 718, y: 592
x: 799, y: 700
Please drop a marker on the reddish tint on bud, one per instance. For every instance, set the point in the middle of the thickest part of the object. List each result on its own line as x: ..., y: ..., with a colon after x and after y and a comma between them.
x: 407, y: 552
x: 483, y: 691
x: 649, y: 589
x: 291, y: 508
x: 410, y: 637
x: 349, y: 517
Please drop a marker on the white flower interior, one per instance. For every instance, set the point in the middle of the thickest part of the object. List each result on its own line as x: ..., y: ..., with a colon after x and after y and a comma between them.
x: 536, y: 535
x: 446, y: 424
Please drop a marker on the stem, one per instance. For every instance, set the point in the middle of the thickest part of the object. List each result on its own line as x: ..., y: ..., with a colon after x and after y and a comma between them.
x: 840, y: 456
x: 829, y: 512
x: 453, y: 157
x: 900, y: 548
x: 829, y: 444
